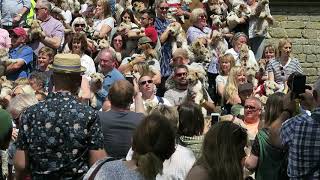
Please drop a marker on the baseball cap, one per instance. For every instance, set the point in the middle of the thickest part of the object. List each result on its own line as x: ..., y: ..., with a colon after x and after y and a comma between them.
x: 144, y: 40
x: 18, y: 31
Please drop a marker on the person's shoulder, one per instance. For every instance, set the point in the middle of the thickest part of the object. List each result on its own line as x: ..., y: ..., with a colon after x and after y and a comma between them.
x: 295, y: 121
x: 198, y: 172
x: 55, y: 21
x: 115, y: 72
x: 184, y: 151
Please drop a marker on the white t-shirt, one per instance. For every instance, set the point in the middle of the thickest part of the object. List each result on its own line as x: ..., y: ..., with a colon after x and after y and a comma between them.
x: 154, y: 100
x: 251, y: 62
x: 221, y: 79
x: 177, y: 167
x: 97, y: 25
x: 87, y: 62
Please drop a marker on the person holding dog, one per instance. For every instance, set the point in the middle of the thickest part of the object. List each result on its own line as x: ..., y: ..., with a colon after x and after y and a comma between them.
x: 59, y: 137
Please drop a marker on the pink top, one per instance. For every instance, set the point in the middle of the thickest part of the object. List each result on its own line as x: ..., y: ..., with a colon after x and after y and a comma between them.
x: 5, y: 41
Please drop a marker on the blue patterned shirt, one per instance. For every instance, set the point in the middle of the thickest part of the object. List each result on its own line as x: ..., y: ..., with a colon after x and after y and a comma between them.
x: 57, y: 135
x: 301, y: 134
x: 166, y: 49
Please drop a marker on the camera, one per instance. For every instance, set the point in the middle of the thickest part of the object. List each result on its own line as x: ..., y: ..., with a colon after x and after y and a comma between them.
x: 215, y: 117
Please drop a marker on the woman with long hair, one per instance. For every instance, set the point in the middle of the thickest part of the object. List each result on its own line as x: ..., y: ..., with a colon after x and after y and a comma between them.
x: 104, y: 22
x: 281, y: 67
x: 153, y: 142
x: 231, y: 97
x: 222, y: 153
x: 267, y: 155
x: 191, y: 127
x: 226, y: 62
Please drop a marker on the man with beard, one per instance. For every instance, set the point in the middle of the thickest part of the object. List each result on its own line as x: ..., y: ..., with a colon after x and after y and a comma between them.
x: 179, y: 94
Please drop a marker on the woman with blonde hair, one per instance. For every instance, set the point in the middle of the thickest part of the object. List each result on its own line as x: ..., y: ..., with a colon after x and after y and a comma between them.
x: 199, y: 27
x: 104, y: 21
x: 226, y: 62
x: 281, y: 67
x: 231, y: 97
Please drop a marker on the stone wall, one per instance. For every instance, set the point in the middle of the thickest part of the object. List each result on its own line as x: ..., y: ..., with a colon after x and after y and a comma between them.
x: 301, y: 23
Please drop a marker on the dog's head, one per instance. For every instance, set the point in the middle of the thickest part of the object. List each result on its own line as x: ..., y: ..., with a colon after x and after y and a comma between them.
x: 264, y: 2
x: 195, y: 73
x: 6, y: 83
x: 4, y: 56
x: 200, y: 50
x: 35, y: 23
x: 244, y: 53
x: 262, y: 65
x: 103, y: 43
x: 242, y: 10
x: 138, y: 6
x: 97, y: 77
x: 175, y: 28
x: 216, y: 20
x: 270, y: 87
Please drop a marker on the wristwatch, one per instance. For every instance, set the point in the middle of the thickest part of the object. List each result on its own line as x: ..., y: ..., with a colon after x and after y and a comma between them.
x: 20, y: 14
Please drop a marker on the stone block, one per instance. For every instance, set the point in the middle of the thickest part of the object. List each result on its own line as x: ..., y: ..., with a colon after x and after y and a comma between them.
x: 299, y: 41
x: 311, y: 58
x: 293, y: 24
x: 313, y: 25
x: 311, y: 79
x: 314, y: 41
x: 280, y: 17
x: 297, y: 49
x: 306, y: 65
x: 294, y: 33
x: 310, y: 71
x: 316, y: 49
x: 299, y: 18
x: 318, y: 57
x: 310, y: 34
x: 301, y: 57
x: 277, y: 33
x: 308, y: 49
x: 316, y: 64
x: 315, y: 18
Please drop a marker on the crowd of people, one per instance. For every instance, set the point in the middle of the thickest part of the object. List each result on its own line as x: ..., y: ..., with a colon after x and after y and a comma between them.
x: 106, y: 89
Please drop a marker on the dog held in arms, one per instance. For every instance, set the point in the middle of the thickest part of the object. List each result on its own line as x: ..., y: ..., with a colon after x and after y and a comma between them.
x: 96, y: 82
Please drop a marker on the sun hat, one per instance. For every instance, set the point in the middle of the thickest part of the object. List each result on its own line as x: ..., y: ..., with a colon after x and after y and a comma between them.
x: 144, y: 40
x: 67, y: 63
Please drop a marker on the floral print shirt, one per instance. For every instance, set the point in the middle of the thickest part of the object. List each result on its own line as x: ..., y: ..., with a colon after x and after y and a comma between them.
x: 57, y: 135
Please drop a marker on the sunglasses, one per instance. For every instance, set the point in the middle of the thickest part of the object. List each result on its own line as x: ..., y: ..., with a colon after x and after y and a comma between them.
x: 282, y: 70
x: 37, y: 9
x: 251, y: 108
x: 145, y: 82
x: 202, y: 16
x: 79, y: 25
x: 164, y: 8
x: 181, y: 74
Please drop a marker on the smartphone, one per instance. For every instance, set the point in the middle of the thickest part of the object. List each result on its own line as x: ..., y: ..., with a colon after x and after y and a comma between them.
x: 299, y: 84
x: 215, y: 117
x: 129, y: 78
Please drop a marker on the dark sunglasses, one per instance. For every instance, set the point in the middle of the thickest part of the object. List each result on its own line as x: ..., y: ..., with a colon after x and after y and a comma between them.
x: 251, y: 108
x: 79, y: 25
x: 202, y: 16
x: 145, y: 82
x: 164, y: 8
x: 181, y: 74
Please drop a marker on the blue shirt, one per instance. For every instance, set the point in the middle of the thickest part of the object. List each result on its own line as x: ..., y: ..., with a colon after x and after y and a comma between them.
x: 21, y: 52
x: 11, y: 8
x: 301, y: 134
x: 166, y: 49
x: 109, y: 79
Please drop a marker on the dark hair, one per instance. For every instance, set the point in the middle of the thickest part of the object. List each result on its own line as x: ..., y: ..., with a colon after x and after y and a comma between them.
x: 151, y: 14
x: 290, y: 78
x: 191, y: 120
x: 181, y: 66
x: 274, y: 107
x: 128, y: 11
x: 79, y: 37
x: 153, y: 142
x: 223, y: 151
x: 121, y: 93
x: 124, y: 40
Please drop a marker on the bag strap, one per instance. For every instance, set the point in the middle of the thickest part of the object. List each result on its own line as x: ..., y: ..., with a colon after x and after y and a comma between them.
x: 160, y: 99
x: 91, y: 174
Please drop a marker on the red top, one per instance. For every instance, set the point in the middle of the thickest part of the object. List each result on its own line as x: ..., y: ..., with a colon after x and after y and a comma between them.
x: 151, y: 32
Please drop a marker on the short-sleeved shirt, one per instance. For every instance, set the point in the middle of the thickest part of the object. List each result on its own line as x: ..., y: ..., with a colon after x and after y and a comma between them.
x: 252, y: 62
x: 118, y: 128
x: 10, y: 9
x: 25, y: 53
x: 52, y: 28
x: 301, y: 134
x: 87, y: 62
x: 57, y: 135
x: 193, y: 33
x: 97, y: 25
x: 281, y: 73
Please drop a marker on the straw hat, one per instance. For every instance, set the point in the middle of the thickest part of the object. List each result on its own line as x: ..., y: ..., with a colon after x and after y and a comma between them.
x: 67, y: 63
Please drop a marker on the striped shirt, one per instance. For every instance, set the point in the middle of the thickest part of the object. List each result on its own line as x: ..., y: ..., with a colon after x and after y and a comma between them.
x: 281, y: 73
x: 301, y: 134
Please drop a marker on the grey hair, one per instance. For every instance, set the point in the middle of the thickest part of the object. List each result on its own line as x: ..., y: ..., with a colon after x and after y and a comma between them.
x: 195, y: 14
x: 78, y: 20
x: 109, y: 50
x: 19, y: 103
x: 237, y: 36
x: 45, y: 3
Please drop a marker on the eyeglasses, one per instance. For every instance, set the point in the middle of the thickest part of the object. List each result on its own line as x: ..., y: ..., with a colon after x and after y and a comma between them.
x: 282, y: 70
x: 181, y: 74
x: 164, y: 8
x: 117, y: 40
x: 145, y: 82
x: 251, y: 108
x: 79, y: 25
